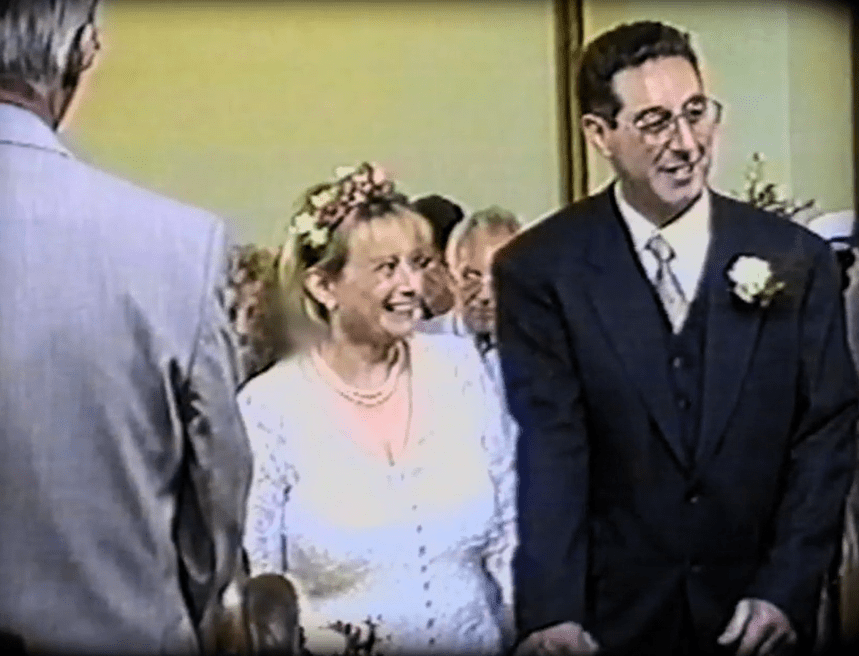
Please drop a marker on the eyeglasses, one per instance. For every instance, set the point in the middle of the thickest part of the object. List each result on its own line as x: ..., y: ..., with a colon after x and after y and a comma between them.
x: 658, y: 126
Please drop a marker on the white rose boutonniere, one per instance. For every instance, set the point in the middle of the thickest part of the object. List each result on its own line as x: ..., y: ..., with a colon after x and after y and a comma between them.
x: 753, y: 281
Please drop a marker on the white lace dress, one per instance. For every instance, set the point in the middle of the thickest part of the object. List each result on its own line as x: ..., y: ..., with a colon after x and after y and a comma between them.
x: 421, y: 549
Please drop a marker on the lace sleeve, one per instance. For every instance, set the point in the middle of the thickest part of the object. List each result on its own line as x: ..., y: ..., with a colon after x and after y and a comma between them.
x: 273, y: 479
x: 499, y: 443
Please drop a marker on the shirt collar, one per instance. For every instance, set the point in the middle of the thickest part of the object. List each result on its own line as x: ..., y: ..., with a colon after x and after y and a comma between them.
x: 17, y: 92
x: 685, y: 229
x: 484, y: 344
x: 21, y: 126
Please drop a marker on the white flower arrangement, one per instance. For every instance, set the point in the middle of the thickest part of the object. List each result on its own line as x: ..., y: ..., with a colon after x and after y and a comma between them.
x: 774, y: 197
x: 306, y: 226
x: 322, y: 199
x: 330, y: 203
x: 753, y: 280
x: 344, y: 171
x: 304, y: 223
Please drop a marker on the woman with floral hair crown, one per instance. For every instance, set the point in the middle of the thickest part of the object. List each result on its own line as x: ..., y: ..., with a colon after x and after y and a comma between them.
x: 383, y: 488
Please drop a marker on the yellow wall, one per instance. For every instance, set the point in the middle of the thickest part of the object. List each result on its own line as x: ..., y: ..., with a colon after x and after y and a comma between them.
x: 782, y: 70
x: 238, y: 106
x: 821, y: 116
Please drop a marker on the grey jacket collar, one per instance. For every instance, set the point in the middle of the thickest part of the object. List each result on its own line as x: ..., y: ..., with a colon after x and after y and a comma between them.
x: 22, y: 128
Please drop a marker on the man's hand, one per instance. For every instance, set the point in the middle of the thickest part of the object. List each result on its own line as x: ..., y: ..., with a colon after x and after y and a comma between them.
x: 438, y: 288
x: 565, y: 639
x: 759, y: 627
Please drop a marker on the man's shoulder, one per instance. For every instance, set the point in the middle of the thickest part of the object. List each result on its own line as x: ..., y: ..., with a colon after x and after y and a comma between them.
x: 777, y: 232
x: 559, y: 237
x: 177, y: 240
x: 42, y: 169
x: 129, y: 202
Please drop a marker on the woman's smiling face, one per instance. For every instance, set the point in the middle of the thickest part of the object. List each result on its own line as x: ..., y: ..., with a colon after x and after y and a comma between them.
x: 377, y: 293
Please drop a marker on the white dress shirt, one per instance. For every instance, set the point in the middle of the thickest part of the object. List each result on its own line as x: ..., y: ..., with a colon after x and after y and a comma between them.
x: 689, y: 236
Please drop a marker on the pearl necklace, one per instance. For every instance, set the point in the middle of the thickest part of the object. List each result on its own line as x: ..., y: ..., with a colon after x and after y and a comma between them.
x: 363, y: 397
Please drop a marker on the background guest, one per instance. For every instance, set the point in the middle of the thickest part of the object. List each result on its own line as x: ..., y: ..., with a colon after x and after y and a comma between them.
x: 252, y: 308
x: 261, y: 616
x: 125, y: 464
x: 272, y: 616
x: 437, y: 295
x: 470, y: 250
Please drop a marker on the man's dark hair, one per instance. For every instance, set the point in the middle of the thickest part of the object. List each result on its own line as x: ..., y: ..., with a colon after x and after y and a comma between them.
x: 442, y: 213
x: 626, y: 46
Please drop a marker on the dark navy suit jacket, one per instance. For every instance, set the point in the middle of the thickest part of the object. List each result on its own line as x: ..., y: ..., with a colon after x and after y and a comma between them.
x: 621, y: 528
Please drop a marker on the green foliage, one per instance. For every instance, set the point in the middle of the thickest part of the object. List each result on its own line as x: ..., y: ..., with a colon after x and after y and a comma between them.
x: 765, y: 195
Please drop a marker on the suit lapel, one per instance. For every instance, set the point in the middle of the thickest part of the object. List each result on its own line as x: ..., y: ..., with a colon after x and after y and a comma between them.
x: 631, y: 318
x: 732, y: 331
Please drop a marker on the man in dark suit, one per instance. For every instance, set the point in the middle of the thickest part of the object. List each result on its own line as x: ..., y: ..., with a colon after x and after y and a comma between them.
x: 125, y: 466
x: 677, y: 364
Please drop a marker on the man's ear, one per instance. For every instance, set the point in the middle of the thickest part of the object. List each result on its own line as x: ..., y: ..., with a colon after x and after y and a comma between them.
x: 82, y: 53
x: 318, y: 285
x: 597, y: 131
x: 89, y: 46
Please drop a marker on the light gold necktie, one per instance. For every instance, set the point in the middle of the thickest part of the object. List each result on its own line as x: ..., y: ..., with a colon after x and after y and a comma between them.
x: 667, y: 286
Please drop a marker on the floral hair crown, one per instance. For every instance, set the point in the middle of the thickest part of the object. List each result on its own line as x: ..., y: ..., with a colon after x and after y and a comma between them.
x: 327, y: 205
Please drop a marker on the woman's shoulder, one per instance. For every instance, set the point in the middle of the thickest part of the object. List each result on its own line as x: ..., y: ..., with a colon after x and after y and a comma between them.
x: 283, y: 375
x: 268, y: 399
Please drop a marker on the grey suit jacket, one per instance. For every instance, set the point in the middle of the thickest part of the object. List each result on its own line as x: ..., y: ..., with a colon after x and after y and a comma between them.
x: 124, y: 465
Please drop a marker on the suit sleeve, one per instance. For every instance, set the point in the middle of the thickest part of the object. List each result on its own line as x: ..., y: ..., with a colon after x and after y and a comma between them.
x: 544, y: 395
x: 822, y: 459
x: 217, y: 452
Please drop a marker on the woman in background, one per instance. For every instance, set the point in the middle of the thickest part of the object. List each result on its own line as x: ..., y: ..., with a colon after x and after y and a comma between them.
x: 382, y: 487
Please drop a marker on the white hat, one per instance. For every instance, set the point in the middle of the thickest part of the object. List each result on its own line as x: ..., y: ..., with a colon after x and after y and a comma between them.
x: 834, y: 225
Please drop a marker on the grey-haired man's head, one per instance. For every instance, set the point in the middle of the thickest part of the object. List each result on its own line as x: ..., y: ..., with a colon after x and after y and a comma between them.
x: 45, y: 46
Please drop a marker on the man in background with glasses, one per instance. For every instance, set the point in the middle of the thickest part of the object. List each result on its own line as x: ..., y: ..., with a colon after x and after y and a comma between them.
x: 677, y: 364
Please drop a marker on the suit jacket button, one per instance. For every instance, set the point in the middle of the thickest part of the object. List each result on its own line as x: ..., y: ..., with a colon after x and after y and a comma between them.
x: 693, y: 492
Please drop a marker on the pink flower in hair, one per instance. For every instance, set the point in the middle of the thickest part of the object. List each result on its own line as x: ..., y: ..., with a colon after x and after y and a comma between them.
x: 378, y: 176
x: 332, y: 205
